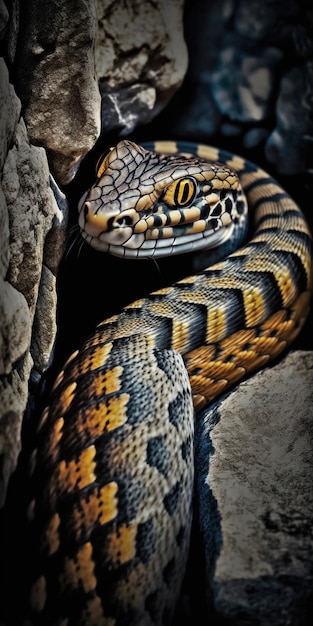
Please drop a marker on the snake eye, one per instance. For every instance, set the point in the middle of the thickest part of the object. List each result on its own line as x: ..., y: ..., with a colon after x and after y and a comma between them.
x: 103, y: 162
x: 181, y: 192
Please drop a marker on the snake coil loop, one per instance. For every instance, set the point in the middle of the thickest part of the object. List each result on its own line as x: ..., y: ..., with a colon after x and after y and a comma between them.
x: 112, y: 470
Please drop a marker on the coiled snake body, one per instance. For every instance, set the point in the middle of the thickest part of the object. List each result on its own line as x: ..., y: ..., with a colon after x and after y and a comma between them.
x: 112, y: 472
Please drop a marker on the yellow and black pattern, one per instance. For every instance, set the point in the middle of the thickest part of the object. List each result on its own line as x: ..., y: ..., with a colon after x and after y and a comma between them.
x: 114, y: 480
x: 112, y: 474
x: 145, y: 204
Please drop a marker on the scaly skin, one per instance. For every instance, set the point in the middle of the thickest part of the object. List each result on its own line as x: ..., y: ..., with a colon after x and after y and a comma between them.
x: 112, y: 472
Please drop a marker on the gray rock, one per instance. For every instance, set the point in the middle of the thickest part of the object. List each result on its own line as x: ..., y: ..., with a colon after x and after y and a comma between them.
x: 13, y: 396
x: 124, y: 108
x: 31, y: 208
x: 196, y: 114
x: 289, y: 146
x: 257, y: 497
x: 241, y: 58
x: 10, y: 107
x: 243, y: 82
x: 28, y: 211
x: 15, y: 327
x: 44, y: 333
x: 55, y: 78
x: 141, y: 60
x: 302, y: 37
x: 4, y: 236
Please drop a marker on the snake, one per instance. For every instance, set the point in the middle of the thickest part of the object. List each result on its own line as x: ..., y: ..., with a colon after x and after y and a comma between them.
x: 111, y: 473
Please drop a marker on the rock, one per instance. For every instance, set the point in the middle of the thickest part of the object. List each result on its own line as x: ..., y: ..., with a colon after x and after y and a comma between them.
x: 257, y: 498
x: 302, y: 37
x: 44, y: 333
x: 55, y: 78
x: 28, y: 211
x: 289, y: 146
x: 56, y: 238
x: 4, y: 236
x: 242, y: 56
x: 10, y: 108
x: 141, y: 60
x: 15, y: 327
x: 123, y: 109
x: 137, y: 57
x: 13, y: 395
x: 32, y: 208
x: 243, y: 82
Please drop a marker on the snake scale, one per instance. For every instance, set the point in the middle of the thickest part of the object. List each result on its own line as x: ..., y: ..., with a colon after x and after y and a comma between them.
x: 111, y: 475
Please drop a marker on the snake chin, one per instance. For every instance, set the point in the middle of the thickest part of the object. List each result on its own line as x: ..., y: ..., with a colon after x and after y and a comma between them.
x: 137, y: 246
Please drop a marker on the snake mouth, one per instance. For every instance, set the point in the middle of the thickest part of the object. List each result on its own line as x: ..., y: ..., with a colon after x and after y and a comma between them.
x: 145, y: 245
x: 129, y: 234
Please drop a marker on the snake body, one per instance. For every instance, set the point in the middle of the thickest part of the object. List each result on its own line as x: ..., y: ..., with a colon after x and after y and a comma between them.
x: 112, y: 470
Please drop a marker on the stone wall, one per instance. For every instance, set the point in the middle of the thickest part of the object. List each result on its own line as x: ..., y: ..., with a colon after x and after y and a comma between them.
x: 28, y: 270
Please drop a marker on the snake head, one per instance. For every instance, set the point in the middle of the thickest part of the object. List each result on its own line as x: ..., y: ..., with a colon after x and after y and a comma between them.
x: 145, y: 204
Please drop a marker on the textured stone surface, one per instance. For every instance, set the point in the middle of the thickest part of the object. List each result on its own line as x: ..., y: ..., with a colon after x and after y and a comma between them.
x: 243, y: 82
x: 28, y: 211
x: 15, y: 327
x: 31, y: 208
x: 13, y: 399
x: 56, y: 81
x: 44, y: 326
x: 10, y: 108
x: 141, y: 59
x: 258, y: 497
x: 250, y: 78
x: 123, y: 109
x: 4, y: 235
x: 294, y: 122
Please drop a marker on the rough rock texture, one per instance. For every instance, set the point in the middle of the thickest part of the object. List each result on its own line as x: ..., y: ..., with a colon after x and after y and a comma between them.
x: 242, y: 84
x: 141, y: 59
x: 27, y: 212
x: 250, y: 77
x: 294, y: 126
x: 135, y: 53
x: 55, y: 79
x: 258, y: 498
